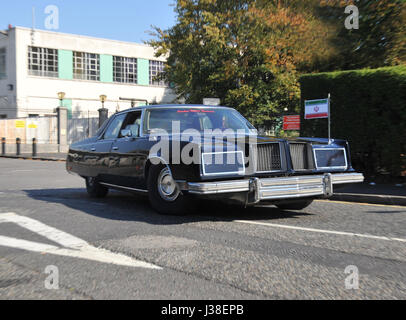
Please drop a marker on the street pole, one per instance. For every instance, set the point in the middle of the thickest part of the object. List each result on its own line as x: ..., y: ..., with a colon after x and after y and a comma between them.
x: 88, y: 123
x: 329, y: 120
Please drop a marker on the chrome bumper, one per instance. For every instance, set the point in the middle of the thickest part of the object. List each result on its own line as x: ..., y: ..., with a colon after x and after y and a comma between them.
x: 277, y: 188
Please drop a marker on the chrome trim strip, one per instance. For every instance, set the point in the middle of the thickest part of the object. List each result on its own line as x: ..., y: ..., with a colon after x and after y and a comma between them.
x: 291, y: 187
x: 218, y: 187
x: 277, y: 188
x: 340, y: 178
x: 121, y: 187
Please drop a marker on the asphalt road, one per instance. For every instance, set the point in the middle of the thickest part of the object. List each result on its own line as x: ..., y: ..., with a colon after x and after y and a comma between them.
x: 216, y: 252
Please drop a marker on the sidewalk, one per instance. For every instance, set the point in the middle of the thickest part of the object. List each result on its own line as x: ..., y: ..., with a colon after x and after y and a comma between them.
x: 388, y: 194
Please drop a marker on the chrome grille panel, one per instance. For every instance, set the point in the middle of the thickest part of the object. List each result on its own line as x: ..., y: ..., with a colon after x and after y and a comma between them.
x: 302, y: 158
x: 268, y: 157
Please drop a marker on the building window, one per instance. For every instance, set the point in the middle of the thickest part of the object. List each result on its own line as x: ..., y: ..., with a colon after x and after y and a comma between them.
x: 124, y: 70
x: 43, y: 62
x: 2, y: 63
x: 155, y: 69
x: 86, y: 66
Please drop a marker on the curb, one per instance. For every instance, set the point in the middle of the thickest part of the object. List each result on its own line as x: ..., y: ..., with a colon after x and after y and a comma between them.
x: 34, y: 158
x: 370, y: 198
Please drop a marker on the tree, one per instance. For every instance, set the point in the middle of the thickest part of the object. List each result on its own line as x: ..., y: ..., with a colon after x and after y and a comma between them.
x: 379, y: 41
x: 245, y: 52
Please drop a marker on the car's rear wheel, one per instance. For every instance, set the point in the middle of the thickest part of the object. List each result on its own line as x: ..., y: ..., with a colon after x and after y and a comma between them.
x: 164, y: 194
x: 294, y: 205
x: 94, y: 188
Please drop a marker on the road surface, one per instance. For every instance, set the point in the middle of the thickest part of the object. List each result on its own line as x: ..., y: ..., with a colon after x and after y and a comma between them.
x: 56, y: 243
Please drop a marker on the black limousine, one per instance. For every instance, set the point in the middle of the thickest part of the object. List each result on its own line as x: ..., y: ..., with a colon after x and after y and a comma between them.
x: 177, y: 152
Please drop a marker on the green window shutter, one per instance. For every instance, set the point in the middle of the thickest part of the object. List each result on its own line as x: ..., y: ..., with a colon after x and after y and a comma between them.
x: 65, y: 64
x: 143, y: 72
x: 106, y: 68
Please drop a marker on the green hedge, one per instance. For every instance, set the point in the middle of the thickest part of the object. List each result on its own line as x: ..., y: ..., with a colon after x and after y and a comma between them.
x: 368, y: 108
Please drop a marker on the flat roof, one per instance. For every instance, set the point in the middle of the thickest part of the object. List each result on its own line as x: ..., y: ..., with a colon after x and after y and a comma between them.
x: 77, y: 36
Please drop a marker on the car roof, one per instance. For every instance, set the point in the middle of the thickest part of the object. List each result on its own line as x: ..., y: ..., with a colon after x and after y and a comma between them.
x: 172, y: 106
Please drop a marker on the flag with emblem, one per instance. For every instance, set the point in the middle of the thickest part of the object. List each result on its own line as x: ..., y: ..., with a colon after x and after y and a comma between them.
x: 315, y: 109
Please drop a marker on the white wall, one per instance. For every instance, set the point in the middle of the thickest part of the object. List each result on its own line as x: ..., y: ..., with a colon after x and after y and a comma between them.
x: 8, y: 97
x: 38, y: 95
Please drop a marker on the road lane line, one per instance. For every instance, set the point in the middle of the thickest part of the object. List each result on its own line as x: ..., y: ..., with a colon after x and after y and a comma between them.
x: 74, y: 247
x: 341, y: 233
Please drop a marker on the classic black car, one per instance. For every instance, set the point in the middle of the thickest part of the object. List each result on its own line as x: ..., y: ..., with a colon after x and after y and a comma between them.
x: 177, y: 152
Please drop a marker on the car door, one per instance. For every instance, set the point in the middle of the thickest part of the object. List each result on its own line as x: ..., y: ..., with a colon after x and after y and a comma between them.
x: 128, y: 155
x: 102, y: 148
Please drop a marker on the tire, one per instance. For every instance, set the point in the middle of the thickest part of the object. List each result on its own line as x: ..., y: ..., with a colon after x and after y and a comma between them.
x: 164, y: 195
x: 294, y: 205
x: 95, y: 189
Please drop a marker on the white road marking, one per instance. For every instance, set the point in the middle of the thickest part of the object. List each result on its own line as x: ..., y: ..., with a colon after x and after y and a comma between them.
x: 74, y: 247
x: 341, y: 233
x: 51, y: 233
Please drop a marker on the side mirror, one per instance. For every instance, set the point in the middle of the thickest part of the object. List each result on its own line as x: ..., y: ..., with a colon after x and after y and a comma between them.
x: 126, y: 133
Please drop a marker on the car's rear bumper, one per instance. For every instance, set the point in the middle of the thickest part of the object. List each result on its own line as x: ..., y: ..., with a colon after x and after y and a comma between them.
x: 278, y: 187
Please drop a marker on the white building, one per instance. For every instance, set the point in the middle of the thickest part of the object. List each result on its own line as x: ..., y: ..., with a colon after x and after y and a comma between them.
x: 35, y: 65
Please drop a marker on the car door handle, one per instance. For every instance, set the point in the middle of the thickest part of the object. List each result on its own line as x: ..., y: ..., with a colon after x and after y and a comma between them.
x: 93, y: 149
x: 115, y: 148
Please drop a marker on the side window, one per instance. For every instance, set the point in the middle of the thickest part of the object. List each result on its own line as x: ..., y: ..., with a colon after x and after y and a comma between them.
x: 133, y: 123
x: 114, y: 128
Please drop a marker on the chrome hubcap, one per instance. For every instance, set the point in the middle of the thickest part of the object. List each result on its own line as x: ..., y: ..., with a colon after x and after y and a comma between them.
x: 166, y: 186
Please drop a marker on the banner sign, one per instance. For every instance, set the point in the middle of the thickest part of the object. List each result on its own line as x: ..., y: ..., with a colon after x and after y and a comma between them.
x: 291, y: 122
x: 315, y: 109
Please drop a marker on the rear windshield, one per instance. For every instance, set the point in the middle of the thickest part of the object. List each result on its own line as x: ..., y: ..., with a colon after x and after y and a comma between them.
x: 198, y: 119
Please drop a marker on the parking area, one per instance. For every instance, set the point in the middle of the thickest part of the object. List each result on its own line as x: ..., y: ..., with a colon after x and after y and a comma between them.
x: 119, y: 248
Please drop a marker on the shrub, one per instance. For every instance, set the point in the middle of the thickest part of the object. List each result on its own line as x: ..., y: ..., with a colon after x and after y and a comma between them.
x: 368, y: 108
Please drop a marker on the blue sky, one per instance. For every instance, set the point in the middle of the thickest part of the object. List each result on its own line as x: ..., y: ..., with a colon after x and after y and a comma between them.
x: 126, y: 20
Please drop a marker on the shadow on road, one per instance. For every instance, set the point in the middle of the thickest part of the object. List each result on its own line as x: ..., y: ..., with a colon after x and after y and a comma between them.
x: 125, y: 206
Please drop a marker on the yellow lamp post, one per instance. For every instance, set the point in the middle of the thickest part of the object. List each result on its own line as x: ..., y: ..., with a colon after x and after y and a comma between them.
x: 103, y: 112
x: 61, y: 96
x: 103, y: 98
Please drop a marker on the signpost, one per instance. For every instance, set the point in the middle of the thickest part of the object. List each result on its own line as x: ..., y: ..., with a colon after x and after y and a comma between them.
x: 317, y: 109
x: 291, y: 122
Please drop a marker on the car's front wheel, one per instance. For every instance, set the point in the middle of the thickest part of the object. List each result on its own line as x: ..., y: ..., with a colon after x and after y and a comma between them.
x: 294, y: 205
x: 94, y: 188
x: 164, y: 194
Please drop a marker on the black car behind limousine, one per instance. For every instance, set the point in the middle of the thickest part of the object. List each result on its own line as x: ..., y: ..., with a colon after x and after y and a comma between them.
x: 177, y: 152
